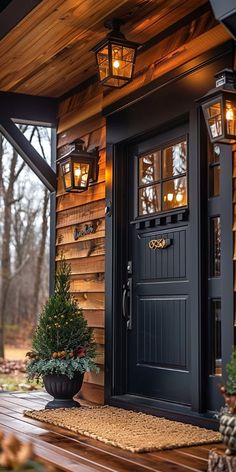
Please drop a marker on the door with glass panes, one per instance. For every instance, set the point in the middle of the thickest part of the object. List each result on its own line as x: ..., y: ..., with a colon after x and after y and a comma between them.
x: 156, y: 295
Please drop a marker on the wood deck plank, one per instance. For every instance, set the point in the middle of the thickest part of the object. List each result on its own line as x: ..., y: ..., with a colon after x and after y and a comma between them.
x: 76, y: 453
x: 88, y: 444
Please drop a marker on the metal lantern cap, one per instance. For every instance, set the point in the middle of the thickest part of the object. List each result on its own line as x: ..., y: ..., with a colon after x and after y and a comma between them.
x: 78, y: 166
x: 219, y: 108
x: 115, y: 56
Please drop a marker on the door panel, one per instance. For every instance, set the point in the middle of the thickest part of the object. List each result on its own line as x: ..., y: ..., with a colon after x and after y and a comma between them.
x: 169, y: 263
x: 158, y: 336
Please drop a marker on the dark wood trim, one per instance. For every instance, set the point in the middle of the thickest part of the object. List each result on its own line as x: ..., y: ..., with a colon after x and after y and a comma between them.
x: 39, y: 166
x: 196, y: 260
x: 13, y: 13
x: 28, y: 108
x: 109, y: 264
x: 202, y: 172
x: 227, y: 286
x: 170, y: 77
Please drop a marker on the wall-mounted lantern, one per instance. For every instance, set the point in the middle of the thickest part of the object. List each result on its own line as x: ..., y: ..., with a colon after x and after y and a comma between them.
x: 78, y: 166
x: 219, y: 108
x: 115, y: 56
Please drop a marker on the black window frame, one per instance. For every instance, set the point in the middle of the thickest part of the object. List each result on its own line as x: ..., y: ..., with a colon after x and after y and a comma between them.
x: 162, y: 179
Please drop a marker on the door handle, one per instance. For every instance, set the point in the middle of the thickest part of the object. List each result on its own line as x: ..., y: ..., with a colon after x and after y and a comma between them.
x: 124, y: 301
x: 130, y: 294
x: 127, y: 305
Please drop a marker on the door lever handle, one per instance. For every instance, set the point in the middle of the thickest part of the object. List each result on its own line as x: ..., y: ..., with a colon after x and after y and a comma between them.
x: 130, y: 295
x: 124, y: 301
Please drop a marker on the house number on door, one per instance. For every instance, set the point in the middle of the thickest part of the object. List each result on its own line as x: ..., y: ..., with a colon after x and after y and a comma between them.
x: 159, y: 243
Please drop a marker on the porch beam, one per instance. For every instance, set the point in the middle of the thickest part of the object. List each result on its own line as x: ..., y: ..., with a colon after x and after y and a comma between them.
x: 29, y: 108
x: 13, y: 13
x: 39, y: 166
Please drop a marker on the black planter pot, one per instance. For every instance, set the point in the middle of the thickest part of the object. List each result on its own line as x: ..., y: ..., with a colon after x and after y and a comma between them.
x: 63, y: 390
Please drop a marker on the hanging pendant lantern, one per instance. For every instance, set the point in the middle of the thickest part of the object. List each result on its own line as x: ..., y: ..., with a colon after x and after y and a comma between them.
x: 219, y: 108
x: 78, y: 166
x: 115, y: 56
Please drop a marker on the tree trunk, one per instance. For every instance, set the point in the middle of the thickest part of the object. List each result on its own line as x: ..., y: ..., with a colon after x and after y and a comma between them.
x: 41, y: 253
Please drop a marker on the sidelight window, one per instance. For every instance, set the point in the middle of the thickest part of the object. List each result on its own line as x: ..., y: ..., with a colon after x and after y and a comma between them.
x: 162, y: 183
x: 216, y: 336
x: 215, y: 246
x: 214, y: 169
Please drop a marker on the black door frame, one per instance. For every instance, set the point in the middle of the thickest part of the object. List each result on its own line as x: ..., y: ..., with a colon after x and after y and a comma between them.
x: 118, y: 136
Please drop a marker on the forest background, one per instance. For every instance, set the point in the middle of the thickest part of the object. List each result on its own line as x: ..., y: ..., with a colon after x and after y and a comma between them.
x: 24, y: 246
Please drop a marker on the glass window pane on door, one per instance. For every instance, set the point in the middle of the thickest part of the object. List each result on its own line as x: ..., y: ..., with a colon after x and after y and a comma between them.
x: 216, y: 336
x: 162, y: 179
x: 150, y: 168
x: 149, y: 200
x: 175, y: 193
x: 175, y: 160
x: 215, y: 240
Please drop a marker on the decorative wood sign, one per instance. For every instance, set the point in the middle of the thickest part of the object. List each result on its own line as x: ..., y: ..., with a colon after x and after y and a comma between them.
x: 159, y: 243
x: 88, y: 229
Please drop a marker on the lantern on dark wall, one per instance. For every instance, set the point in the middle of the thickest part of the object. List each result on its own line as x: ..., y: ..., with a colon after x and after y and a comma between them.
x: 219, y: 108
x: 78, y: 166
x: 115, y: 56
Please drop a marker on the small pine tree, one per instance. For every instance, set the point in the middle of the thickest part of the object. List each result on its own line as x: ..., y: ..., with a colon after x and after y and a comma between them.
x: 62, y: 343
x: 230, y: 384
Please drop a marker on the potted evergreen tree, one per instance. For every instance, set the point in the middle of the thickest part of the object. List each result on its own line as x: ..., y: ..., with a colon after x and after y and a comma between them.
x: 63, y: 347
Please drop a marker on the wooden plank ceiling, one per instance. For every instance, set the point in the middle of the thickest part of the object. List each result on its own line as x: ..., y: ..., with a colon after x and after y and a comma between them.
x: 49, y: 52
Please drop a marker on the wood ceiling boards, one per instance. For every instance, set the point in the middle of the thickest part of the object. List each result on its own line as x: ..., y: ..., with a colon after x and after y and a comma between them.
x: 49, y: 53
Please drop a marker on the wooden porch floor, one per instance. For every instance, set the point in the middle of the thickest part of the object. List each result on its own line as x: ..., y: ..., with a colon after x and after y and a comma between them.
x: 71, y: 452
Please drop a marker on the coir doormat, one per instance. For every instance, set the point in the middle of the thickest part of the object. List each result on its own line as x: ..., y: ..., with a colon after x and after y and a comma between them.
x: 135, y: 432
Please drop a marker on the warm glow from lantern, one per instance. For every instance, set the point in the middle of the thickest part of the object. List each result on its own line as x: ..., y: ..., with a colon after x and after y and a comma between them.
x: 179, y: 197
x: 116, y: 64
x: 78, y: 172
x: 170, y: 197
x: 229, y: 114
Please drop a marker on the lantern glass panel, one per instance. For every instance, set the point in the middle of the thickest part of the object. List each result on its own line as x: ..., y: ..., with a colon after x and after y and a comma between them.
x: 81, y: 175
x: 230, y: 116
x: 122, y: 61
x: 214, y: 115
x: 103, y: 63
x: 67, y: 177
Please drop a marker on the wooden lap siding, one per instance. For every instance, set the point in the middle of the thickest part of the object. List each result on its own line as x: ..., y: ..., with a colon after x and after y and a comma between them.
x: 87, y: 254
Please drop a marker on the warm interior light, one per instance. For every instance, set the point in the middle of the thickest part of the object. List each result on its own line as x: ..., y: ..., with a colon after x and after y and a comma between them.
x: 229, y: 114
x: 78, y: 172
x: 170, y: 197
x: 116, y: 64
x: 179, y: 197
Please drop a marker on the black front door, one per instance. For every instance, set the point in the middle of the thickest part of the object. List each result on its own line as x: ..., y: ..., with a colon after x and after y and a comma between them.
x: 157, y: 290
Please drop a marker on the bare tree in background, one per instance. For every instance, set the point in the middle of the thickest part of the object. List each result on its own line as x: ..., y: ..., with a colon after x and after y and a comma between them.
x: 43, y: 236
x: 21, y: 246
